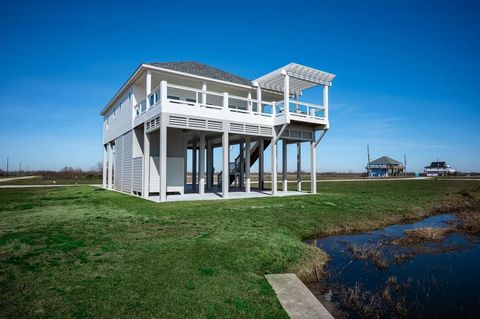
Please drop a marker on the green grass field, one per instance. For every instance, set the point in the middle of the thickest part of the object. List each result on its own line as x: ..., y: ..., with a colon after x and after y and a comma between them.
x: 83, y: 252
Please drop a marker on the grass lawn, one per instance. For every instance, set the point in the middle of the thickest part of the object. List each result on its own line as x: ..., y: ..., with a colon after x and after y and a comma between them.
x: 83, y: 252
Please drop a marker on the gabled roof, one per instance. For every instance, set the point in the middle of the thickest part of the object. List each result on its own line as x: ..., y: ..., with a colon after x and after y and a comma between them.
x: 200, y: 69
x: 385, y: 160
x: 437, y: 165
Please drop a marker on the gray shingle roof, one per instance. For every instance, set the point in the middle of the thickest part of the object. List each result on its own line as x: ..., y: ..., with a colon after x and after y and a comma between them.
x: 200, y: 69
x: 437, y: 165
x: 385, y: 160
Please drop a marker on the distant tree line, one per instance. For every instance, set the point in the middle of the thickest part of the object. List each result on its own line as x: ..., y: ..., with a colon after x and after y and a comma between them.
x: 67, y: 172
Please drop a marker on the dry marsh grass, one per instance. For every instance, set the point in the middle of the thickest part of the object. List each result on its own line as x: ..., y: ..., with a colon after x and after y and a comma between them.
x: 428, y: 233
x: 470, y: 222
x: 371, y: 252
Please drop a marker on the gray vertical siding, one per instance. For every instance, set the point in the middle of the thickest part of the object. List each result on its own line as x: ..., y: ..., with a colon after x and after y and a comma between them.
x: 127, y: 162
x: 118, y: 174
x: 119, y: 119
x: 137, y: 164
x: 123, y: 163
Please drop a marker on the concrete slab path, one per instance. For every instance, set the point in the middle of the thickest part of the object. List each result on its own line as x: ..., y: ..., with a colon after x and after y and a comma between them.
x: 7, y: 179
x: 297, y: 300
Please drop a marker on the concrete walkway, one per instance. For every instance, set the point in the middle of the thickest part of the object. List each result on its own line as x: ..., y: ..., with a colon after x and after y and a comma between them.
x: 8, y: 179
x: 297, y: 300
x: 231, y: 195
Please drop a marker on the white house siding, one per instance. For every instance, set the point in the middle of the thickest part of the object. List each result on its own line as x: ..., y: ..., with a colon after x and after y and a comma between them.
x: 127, y: 162
x: 175, y: 153
x: 137, y: 174
x: 123, y: 163
x: 119, y: 119
x: 154, y: 174
x: 118, y: 178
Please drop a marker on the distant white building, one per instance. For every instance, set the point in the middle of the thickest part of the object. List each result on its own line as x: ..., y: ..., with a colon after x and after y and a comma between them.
x: 439, y: 169
x: 168, y: 110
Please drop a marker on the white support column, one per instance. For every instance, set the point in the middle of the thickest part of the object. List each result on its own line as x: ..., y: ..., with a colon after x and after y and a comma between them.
x: 313, y: 167
x: 273, y: 144
x: 261, y: 164
x: 209, y: 165
x: 325, y: 100
x: 247, y: 164
x: 163, y: 92
x: 296, y: 103
x: 163, y: 160
x: 225, y: 164
x: 284, y: 165
x: 286, y: 94
x: 110, y: 166
x: 201, y: 180
x: 105, y: 166
x: 194, y: 166
x: 242, y: 167
x: 146, y: 164
x: 225, y: 102
x: 299, y: 166
x: 148, y: 87
x: 185, y: 158
x: 249, y: 103
x: 259, y: 99
x: 204, y: 95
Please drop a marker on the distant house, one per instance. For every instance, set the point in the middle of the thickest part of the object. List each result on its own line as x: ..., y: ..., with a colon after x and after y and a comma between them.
x: 385, y: 166
x: 439, y: 169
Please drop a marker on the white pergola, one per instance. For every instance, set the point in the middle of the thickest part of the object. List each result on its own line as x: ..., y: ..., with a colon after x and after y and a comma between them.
x: 292, y: 79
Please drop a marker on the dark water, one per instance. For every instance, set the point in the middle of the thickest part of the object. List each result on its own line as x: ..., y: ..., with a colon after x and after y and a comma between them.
x: 425, y: 280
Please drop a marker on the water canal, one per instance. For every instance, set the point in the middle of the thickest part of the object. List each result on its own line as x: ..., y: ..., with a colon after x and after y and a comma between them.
x: 426, y: 269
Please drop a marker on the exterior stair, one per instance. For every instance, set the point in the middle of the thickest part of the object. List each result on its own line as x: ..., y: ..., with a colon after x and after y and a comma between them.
x: 235, y: 167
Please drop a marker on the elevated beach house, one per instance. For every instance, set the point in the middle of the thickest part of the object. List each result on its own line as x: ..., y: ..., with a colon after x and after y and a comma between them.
x: 384, y: 167
x: 439, y: 169
x: 168, y: 112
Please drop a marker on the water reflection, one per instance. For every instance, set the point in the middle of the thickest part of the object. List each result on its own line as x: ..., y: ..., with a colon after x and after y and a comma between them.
x: 426, y: 269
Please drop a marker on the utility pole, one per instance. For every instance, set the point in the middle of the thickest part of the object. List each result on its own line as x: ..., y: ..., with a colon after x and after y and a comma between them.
x: 404, y: 165
x: 7, y: 166
x: 368, y: 163
x: 19, y: 168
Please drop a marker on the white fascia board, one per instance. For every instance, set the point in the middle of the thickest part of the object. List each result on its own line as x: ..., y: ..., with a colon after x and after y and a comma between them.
x: 270, y: 76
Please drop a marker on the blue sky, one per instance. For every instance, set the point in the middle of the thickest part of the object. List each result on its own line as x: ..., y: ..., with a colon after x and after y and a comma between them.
x: 407, y: 71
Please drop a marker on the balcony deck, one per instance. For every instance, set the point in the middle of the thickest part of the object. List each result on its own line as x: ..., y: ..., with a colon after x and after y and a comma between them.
x: 188, y: 101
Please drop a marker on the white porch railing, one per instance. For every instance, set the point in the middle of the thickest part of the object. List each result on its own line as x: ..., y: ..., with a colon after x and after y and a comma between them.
x: 183, y: 95
x: 300, y: 109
